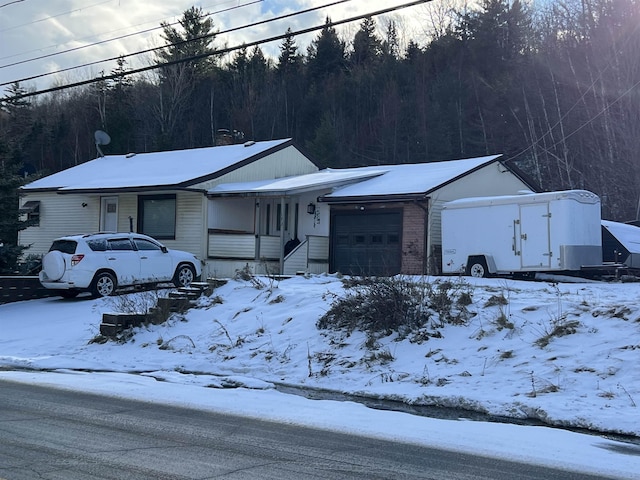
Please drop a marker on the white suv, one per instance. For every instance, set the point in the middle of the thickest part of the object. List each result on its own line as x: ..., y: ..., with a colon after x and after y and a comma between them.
x: 102, y: 262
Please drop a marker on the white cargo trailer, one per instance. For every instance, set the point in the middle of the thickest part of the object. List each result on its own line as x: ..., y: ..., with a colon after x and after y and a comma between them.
x: 532, y: 232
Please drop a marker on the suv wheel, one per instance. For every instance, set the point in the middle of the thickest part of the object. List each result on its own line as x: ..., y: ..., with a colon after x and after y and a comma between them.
x: 103, y: 285
x: 185, y: 274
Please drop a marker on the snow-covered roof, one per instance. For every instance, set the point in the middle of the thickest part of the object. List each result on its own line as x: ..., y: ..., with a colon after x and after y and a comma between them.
x: 410, y: 179
x: 178, y: 168
x: 327, y: 178
x: 526, y: 197
x: 627, y: 235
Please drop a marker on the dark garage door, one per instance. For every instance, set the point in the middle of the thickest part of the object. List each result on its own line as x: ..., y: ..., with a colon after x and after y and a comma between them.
x: 366, y: 243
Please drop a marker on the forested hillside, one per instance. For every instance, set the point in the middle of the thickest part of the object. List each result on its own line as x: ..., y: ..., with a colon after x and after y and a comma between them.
x: 554, y: 86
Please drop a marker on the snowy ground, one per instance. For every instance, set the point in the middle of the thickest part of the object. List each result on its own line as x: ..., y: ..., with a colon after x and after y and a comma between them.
x: 565, y: 353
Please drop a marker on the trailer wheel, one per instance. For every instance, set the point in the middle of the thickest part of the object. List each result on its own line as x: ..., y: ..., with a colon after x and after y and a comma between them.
x: 477, y: 267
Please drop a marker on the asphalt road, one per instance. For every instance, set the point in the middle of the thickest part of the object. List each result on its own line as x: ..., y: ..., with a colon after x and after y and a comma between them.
x: 55, y: 434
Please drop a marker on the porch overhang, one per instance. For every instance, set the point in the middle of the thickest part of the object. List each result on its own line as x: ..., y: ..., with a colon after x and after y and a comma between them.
x: 350, y: 200
x: 297, y: 185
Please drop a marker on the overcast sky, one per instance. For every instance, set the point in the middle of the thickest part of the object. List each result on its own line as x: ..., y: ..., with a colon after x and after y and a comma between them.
x: 34, y: 28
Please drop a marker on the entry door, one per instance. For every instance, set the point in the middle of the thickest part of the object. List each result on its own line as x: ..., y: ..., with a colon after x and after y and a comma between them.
x: 109, y: 214
x: 535, y: 243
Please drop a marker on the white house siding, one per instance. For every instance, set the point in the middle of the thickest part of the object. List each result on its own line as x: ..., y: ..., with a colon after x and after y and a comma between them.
x: 232, y: 246
x: 127, y: 207
x: 312, y: 256
x: 318, y: 248
x: 284, y: 163
x: 190, y: 219
x: 491, y: 180
x: 296, y: 261
x: 232, y: 214
x: 191, y: 224
x: 63, y: 214
x: 59, y: 215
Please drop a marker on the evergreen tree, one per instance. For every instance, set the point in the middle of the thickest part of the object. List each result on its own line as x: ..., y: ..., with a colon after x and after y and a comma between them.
x: 391, y: 44
x: 367, y: 47
x: 326, y: 54
x: 120, y: 116
x: 289, y: 91
x: 181, y: 83
x: 15, y: 124
x: 289, y: 61
x: 192, y: 44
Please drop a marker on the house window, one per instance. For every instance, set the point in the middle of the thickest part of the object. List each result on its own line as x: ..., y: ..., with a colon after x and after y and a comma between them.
x: 157, y: 216
x: 32, y: 210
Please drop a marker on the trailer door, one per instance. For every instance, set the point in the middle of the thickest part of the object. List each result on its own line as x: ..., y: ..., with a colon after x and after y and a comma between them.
x: 535, y: 240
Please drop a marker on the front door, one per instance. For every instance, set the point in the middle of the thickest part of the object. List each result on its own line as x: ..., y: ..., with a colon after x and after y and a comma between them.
x: 109, y: 214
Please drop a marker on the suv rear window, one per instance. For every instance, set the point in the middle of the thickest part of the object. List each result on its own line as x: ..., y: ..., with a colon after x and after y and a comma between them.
x: 64, y: 246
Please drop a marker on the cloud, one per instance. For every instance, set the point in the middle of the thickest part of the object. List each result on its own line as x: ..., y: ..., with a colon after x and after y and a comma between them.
x: 34, y: 29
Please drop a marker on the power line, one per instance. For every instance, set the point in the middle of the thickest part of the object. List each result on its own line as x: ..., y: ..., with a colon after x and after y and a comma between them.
x: 549, y: 131
x: 217, y: 52
x: 52, y: 16
x: 11, y: 3
x: 203, y: 37
x: 140, y: 32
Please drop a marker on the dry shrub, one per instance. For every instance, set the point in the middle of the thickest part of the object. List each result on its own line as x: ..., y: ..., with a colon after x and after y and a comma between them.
x: 382, y: 305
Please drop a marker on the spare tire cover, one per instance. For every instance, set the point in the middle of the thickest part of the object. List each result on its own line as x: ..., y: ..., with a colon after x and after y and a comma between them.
x: 53, y: 265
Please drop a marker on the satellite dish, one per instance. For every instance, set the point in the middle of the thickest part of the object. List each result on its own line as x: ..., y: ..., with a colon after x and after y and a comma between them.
x: 102, y: 138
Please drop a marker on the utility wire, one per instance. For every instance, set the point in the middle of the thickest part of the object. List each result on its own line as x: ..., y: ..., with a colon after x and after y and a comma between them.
x: 53, y: 16
x: 195, y: 39
x: 549, y: 131
x: 217, y: 52
x: 11, y: 3
x: 140, y: 32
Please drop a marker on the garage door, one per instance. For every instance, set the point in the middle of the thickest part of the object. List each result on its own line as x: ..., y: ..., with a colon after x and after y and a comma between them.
x: 366, y: 243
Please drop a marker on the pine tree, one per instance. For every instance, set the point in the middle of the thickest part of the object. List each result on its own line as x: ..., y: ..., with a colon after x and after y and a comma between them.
x: 289, y: 91
x: 120, y: 115
x: 195, y: 40
x: 367, y: 47
x: 326, y: 54
x: 14, y: 128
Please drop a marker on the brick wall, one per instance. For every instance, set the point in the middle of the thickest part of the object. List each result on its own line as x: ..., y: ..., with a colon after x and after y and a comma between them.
x: 413, y: 239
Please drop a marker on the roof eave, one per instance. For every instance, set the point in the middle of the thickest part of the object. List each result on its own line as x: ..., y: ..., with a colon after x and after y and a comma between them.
x: 138, y: 189
x: 406, y: 197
